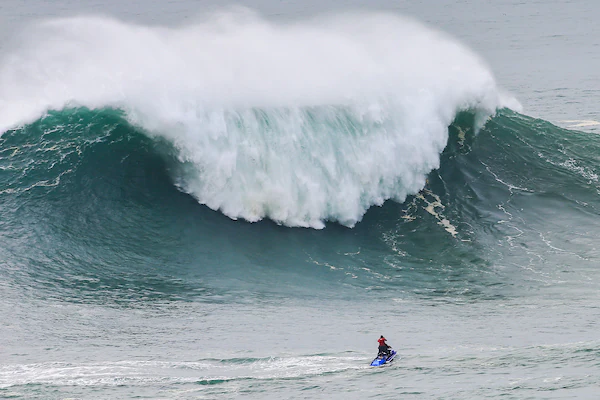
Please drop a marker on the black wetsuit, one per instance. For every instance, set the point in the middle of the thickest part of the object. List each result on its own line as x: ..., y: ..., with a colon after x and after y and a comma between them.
x: 384, y: 349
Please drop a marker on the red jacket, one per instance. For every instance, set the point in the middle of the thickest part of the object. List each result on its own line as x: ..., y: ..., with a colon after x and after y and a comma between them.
x: 382, y: 341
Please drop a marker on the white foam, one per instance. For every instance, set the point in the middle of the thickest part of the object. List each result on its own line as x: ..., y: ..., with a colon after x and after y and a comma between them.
x: 144, y: 373
x: 436, y: 203
x: 580, y: 123
x: 301, y: 122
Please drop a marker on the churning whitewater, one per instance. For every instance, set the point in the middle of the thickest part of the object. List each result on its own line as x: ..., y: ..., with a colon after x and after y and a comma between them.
x: 300, y: 122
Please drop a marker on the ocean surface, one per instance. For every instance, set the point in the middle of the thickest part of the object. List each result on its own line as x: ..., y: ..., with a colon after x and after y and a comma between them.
x: 209, y: 200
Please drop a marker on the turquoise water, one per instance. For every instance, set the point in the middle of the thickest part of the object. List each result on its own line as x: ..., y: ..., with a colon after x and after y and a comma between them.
x: 201, y: 205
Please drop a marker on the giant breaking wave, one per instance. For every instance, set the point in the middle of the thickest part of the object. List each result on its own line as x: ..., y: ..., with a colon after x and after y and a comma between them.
x: 301, y: 122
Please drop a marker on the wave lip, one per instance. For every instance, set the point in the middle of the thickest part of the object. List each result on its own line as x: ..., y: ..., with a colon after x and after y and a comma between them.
x: 302, y: 123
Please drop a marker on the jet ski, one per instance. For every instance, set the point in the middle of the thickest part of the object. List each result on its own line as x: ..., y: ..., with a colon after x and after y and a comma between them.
x: 384, y: 358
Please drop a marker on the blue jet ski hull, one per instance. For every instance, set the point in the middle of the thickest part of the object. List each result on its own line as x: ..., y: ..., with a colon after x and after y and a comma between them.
x: 382, y: 360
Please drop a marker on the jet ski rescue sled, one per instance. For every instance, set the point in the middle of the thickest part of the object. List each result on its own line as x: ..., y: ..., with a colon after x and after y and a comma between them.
x: 383, y: 359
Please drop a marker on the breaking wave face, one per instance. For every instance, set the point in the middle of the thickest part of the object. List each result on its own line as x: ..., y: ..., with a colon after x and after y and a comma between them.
x: 300, y: 122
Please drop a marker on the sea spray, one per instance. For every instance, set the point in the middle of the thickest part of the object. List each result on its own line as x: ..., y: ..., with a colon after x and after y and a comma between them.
x: 301, y: 122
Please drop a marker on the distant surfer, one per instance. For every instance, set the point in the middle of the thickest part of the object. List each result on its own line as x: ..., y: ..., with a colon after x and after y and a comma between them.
x: 384, y: 348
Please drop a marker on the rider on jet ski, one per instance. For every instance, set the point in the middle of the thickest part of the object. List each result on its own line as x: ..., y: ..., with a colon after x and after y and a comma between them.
x: 384, y: 348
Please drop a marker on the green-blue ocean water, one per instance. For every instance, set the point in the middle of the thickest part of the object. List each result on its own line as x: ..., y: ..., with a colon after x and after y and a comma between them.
x: 235, y: 203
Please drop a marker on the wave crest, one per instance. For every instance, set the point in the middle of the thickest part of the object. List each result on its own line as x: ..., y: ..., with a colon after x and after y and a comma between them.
x: 301, y: 122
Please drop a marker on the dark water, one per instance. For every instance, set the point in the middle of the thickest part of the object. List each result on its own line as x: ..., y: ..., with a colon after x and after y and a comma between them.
x: 235, y: 209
